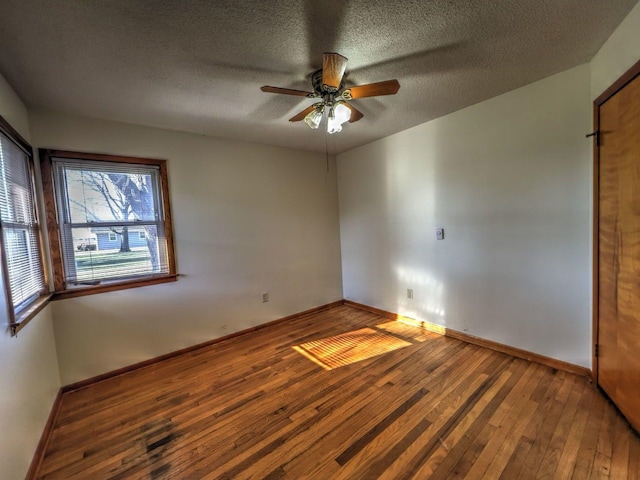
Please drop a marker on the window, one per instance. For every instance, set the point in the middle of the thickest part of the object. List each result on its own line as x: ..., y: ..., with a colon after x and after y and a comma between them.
x: 142, y: 236
x: 107, y: 197
x: 22, y: 259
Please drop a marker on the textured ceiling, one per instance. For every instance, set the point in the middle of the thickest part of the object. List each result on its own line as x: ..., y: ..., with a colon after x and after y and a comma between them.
x: 197, y: 65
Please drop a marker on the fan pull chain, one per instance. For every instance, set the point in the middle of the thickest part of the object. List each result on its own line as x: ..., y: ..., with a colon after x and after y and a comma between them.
x: 326, y: 149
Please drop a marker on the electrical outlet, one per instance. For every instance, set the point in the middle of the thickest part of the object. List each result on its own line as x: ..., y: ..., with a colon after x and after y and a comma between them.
x: 439, y: 233
x: 410, y: 293
x: 265, y: 297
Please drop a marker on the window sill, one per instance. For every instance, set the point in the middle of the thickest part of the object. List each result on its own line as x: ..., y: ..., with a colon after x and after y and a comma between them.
x: 28, y: 313
x: 113, y: 286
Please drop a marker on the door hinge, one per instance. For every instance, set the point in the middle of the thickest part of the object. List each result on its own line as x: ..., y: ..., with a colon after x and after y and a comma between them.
x: 595, y: 134
x: 597, y: 350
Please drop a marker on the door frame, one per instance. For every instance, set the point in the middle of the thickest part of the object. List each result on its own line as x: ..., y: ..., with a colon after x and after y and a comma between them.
x: 618, y: 85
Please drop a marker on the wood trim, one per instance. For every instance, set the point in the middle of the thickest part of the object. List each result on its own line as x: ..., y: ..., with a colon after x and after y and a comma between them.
x: 152, y: 361
x: 168, y: 222
x: 53, y: 229
x: 38, y: 455
x: 619, y: 84
x: 595, y: 254
x: 114, y: 287
x: 465, y: 337
x: 30, y: 312
x: 12, y: 133
x: 101, y: 157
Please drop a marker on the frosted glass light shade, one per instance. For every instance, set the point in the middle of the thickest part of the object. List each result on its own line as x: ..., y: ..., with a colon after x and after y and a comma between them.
x: 339, y: 114
x: 333, y: 126
x: 342, y: 113
x: 314, y: 118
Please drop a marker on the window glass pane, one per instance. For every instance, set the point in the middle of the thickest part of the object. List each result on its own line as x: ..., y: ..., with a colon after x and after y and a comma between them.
x: 19, y: 225
x: 23, y: 261
x: 16, y: 198
x: 108, y: 195
x: 96, y: 257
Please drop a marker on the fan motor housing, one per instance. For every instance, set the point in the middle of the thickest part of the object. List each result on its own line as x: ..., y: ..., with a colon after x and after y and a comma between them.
x: 321, y: 89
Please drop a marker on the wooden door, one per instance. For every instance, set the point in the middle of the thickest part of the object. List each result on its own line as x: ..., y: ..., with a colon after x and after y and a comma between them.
x: 618, y: 323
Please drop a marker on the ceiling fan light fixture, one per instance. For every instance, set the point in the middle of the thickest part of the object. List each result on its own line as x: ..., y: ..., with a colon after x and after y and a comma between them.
x: 329, y: 86
x: 314, y: 118
x: 341, y: 112
x: 338, y: 115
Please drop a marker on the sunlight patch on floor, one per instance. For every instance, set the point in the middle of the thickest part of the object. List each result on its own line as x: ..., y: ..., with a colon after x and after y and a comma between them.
x: 409, y: 330
x: 350, y: 347
x: 431, y: 327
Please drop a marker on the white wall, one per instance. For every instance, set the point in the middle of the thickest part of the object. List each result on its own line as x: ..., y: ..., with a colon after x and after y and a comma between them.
x: 247, y: 219
x: 13, y: 110
x: 29, y: 377
x: 619, y: 53
x: 510, y: 180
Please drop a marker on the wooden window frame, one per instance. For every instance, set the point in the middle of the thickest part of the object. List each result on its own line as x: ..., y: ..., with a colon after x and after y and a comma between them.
x: 18, y: 320
x: 53, y: 228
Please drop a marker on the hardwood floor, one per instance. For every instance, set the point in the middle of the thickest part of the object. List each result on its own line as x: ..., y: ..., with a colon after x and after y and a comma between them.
x: 253, y: 407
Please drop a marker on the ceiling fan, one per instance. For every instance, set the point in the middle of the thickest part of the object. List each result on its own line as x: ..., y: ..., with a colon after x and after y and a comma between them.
x: 328, y: 86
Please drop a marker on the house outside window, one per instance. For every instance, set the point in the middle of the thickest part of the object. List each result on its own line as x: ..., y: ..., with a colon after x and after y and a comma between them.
x: 123, y: 203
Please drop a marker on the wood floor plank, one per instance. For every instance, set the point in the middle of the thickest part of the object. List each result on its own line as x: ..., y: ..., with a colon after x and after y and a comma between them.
x: 516, y: 462
x: 634, y: 457
x: 445, y: 420
x: 544, y: 428
x: 441, y: 384
x: 558, y: 440
x: 434, y: 461
x: 602, y: 461
x: 620, y: 450
x: 587, y: 452
x: 498, y: 450
x: 465, y: 453
x: 567, y: 462
x: 439, y: 389
x: 252, y: 407
x: 544, y: 395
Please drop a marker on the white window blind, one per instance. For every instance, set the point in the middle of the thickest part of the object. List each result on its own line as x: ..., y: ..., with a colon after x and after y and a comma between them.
x: 99, y: 201
x: 20, y: 230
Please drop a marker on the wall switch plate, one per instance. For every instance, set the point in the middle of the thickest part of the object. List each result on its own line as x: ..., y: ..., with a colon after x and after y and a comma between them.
x: 410, y: 293
x: 265, y: 297
x: 439, y: 233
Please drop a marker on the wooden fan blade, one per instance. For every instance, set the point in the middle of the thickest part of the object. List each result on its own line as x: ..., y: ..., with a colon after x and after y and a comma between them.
x: 302, y: 114
x: 285, y: 91
x: 389, y: 87
x: 333, y: 67
x: 355, y: 113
